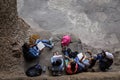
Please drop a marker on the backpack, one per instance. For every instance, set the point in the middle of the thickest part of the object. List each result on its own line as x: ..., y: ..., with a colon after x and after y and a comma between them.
x: 65, y: 41
x: 30, y: 54
x: 33, y: 71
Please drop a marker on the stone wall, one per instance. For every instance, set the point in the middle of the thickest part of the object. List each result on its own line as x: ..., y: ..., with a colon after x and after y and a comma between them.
x: 12, y: 34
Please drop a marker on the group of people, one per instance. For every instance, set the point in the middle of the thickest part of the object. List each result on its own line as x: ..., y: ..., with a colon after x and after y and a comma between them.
x: 73, y: 61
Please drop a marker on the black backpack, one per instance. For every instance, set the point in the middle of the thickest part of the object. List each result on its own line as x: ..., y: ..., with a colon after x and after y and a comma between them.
x: 33, y: 71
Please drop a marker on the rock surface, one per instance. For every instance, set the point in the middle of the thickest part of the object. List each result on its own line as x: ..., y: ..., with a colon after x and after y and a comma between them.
x: 96, y: 22
x: 56, y: 18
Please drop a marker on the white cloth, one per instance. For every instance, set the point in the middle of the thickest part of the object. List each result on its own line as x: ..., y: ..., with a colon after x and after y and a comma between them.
x: 109, y: 55
x: 57, y: 56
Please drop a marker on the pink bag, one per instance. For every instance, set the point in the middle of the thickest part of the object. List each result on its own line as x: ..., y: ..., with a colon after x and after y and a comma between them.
x: 65, y: 41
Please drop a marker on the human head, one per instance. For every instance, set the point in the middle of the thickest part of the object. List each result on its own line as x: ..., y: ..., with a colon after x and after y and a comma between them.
x: 69, y: 50
x: 26, y: 46
x: 55, y: 53
x: 103, y: 53
x: 58, y: 62
x: 73, y: 66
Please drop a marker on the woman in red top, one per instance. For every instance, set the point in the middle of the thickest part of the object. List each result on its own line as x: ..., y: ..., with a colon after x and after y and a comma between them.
x: 71, y: 67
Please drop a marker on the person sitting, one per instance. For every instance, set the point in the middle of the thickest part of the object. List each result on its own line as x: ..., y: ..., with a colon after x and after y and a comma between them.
x: 71, y: 66
x: 70, y: 53
x: 105, y: 60
x: 85, y: 61
x: 57, y: 64
x: 65, y: 41
x: 91, y: 59
x: 82, y: 62
x: 32, y: 52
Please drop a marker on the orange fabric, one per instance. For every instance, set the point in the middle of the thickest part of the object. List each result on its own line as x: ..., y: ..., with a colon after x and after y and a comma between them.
x: 33, y: 38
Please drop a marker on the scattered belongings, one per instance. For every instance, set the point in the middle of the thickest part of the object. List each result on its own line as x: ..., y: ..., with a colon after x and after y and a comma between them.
x: 73, y: 61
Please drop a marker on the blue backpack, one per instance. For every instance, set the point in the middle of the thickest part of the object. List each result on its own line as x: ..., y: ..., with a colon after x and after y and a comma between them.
x: 30, y: 53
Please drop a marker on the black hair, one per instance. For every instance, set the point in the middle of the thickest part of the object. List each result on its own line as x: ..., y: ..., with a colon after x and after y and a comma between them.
x: 25, y: 48
x: 69, y: 50
x: 58, y: 62
x: 103, y: 53
x: 53, y: 64
x: 73, y: 66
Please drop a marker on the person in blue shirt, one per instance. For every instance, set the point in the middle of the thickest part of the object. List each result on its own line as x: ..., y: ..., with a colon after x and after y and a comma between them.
x: 30, y: 52
x: 72, y: 57
x: 84, y: 62
x: 57, y: 63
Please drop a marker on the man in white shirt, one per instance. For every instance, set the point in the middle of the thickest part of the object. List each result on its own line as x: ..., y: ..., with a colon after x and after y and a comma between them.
x: 105, y: 60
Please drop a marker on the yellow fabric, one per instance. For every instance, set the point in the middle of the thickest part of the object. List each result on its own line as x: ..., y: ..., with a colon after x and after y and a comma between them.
x: 33, y: 38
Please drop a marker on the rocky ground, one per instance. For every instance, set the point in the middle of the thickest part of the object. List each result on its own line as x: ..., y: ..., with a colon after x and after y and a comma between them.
x: 96, y: 22
x: 92, y: 24
x: 18, y: 69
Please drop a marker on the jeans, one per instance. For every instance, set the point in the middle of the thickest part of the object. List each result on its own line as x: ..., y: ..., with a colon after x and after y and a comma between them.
x: 45, y: 42
x: 79, y: 63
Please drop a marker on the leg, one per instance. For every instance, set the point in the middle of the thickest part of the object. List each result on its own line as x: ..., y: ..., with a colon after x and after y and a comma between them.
x: 109, y: 63
x: 62, y: 65
x: 92, y: 62
x: 102, y: 66
x: 47, y: 43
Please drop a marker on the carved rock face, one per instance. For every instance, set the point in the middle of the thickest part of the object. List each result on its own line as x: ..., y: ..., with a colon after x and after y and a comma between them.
x: 12, y: 34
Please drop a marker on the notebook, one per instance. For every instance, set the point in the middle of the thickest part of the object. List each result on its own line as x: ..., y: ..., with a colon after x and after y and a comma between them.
x: 80, y: 56
x: 40, y: 45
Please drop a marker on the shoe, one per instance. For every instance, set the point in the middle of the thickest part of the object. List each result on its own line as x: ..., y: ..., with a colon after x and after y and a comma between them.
x: 59, y: 74
x: 44, y: 69
x: 52, y: 44
x: 50, y: 40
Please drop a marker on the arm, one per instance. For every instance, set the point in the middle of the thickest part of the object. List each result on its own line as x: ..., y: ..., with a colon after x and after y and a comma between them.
x: 67, y: 57
x: 52, y: 59
x: 79, y: 63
